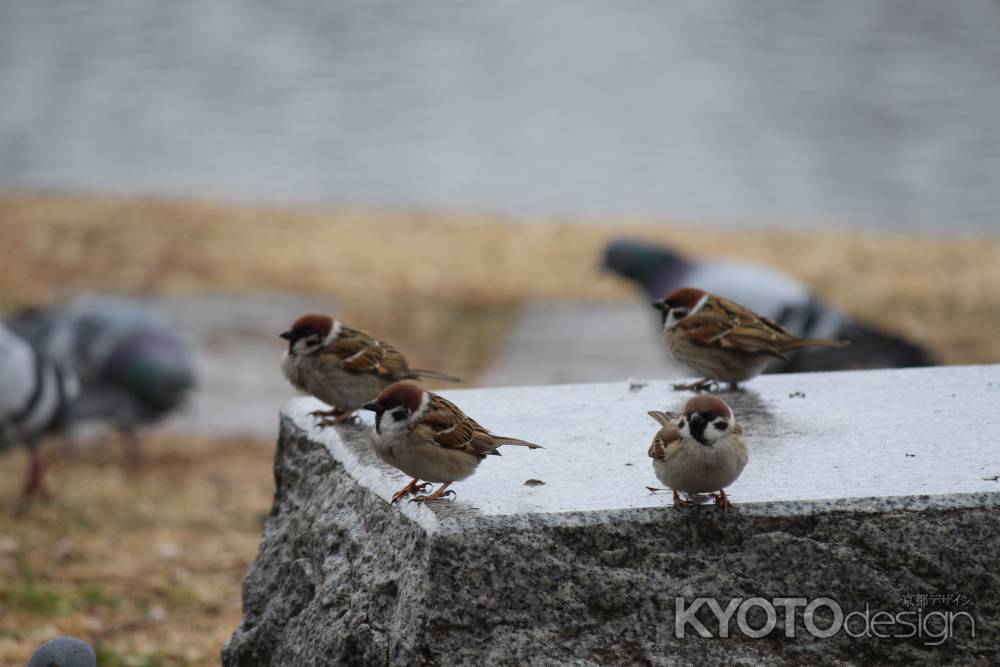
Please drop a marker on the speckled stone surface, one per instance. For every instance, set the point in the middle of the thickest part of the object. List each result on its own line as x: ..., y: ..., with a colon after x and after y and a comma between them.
x: 868, y: 488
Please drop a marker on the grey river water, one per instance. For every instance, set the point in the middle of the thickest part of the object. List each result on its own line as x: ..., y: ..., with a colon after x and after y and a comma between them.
x: 860, y: 112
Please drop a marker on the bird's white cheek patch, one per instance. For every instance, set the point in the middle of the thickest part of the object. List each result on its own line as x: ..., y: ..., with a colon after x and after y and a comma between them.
x: 391, y: 427
x: 302, y: 347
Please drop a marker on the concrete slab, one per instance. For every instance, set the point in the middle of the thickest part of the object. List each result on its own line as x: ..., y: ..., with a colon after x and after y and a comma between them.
x: 557, y: 342
x: 863, y: 488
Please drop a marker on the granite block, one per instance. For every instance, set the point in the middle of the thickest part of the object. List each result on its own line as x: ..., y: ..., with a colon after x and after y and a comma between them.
x: 868, y: 488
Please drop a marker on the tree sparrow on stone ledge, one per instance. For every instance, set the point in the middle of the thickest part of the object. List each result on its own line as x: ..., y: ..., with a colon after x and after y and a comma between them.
x: 429, y: 438
x: 722, y: 340
x: 341, y: 366
x: 701, y: 451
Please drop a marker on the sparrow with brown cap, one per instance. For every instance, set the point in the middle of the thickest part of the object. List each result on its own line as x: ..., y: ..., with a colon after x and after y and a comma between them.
x: 700, y: 451
x: 429, y: 438
x: 343, y: 367
x: 723, y: 341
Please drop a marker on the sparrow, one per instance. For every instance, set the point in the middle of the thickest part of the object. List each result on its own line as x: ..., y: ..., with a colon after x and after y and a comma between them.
x: 722, y: 340
x: 429, y: 438
x: 700, y: 451
x: 134, y: 365
x: 343, y: 367
x: 659, y: 270
x: 36, y: 394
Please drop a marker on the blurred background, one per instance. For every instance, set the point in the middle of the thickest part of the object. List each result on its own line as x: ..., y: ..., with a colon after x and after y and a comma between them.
x: 497, y: 188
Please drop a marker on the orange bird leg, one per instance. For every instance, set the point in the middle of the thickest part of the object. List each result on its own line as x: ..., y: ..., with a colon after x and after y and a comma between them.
x: 704, y: 384
x: 679, y: 502
x: 440, y: 493
x: 723, y: 500
x: 332, y: 417
x: 413, y: 487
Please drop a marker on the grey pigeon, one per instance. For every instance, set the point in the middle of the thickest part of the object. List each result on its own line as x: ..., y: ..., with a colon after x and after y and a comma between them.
x: 133, y: 364
x: 659, y: 270
x: 64, y: 652
x: 36, y: 397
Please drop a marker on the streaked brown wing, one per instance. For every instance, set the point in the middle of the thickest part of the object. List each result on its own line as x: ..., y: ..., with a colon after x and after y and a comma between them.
x: 453, y: 430
x: 360, y: 353
x: 744, y: 314
x: 733, y: 327
x: 667, y: 436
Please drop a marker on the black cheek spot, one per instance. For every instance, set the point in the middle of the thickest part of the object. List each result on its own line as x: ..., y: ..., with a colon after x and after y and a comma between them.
x: 680, y: 424
x: 721, y: 425
x: 399, y: 415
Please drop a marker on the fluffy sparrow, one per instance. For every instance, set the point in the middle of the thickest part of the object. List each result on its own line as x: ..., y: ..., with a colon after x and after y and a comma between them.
x: 343, y: 367
x: 430, y: 439
x: 722, y: 340
x: 701, y: 451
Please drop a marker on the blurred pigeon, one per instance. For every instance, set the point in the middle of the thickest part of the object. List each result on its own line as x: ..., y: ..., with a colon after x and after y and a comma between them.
x: 64, y: 652
x: 36, y: 395
x: 660, y: 270
x: 133, y: 365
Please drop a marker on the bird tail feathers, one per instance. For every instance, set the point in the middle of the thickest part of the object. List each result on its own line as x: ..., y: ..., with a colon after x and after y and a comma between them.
x: 502, y: 440
x: 809, y: 342
x: 434, y: 375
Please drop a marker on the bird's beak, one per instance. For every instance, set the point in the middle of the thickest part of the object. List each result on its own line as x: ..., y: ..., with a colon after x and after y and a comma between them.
x: 660, y: 306
x: 288, y: 335
x: 374, y: 406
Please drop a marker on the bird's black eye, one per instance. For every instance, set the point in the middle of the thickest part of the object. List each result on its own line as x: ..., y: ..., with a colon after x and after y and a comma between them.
x: 399, y: 415
x: 721, y: 425
x: 678, y: 313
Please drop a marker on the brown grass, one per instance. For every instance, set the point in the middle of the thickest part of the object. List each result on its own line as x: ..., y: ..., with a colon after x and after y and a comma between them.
x: 148, y: 564
x: 416, y: 277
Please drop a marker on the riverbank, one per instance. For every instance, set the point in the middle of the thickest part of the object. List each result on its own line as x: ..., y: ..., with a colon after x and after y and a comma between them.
x: 451, y: 281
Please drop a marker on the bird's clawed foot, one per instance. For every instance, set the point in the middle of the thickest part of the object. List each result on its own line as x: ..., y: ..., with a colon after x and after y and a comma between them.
x: 442, y: 492
x: 680, y: 502
x: 332, y: 417
x: 415, y: 486
x: 705, y: 384
x: 722, y: 500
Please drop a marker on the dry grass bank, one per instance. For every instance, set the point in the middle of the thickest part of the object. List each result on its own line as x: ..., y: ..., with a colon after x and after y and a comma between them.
x: 414, y: 277
x: 146, y: 564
